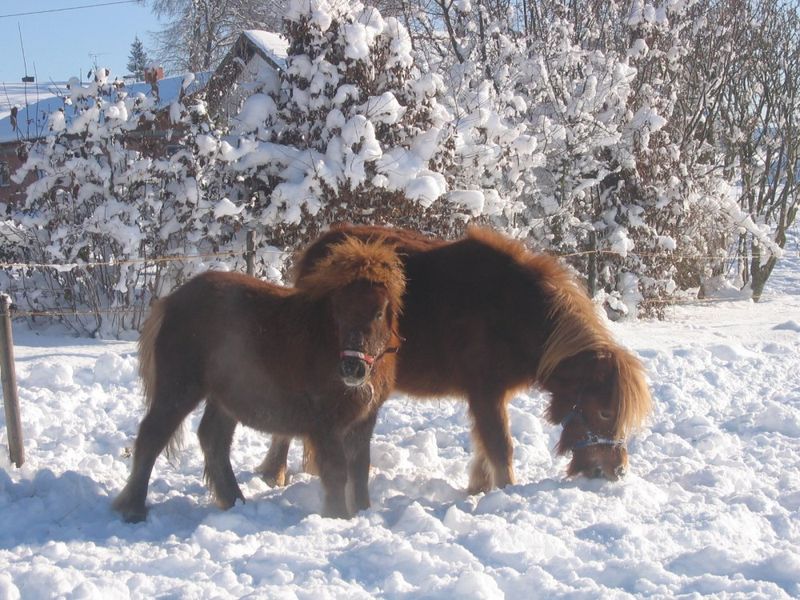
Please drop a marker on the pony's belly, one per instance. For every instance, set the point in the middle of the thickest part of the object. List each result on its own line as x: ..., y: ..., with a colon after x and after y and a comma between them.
x: 429, y: 377
x: 290, y: 414
x: 297, y: 413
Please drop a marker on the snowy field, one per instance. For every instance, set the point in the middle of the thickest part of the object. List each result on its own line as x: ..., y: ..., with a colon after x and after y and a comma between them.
x: 711, y: 506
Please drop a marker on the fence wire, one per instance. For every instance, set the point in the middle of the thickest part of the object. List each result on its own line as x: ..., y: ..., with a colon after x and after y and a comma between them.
x: 241, y: 253
x: 118, y: 310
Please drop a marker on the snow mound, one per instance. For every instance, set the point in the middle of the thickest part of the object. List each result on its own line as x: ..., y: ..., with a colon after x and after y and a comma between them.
x: 790, y: 325
x: 113, y: 368
x: 54, y: 375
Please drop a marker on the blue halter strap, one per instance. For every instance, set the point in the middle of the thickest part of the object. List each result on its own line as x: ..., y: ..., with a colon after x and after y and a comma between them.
x: 591, y: 438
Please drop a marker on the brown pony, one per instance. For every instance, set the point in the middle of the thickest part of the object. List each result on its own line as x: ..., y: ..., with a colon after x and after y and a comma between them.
x: 484, y: 317
x: 316, y: 362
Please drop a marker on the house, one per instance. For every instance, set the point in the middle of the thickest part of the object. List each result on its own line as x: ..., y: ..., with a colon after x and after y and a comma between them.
x: 24, y: 110
x: 25, y: 118
x: 254, y: 61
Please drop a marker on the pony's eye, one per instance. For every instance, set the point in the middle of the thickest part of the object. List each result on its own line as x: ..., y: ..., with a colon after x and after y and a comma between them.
x: 379, y: 315
x: 606, y: 415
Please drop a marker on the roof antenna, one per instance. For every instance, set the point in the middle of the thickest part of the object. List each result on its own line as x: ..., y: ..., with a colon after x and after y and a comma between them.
x: 27, y: 78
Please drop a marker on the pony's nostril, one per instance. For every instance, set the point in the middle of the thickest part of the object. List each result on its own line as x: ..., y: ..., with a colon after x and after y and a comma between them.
x: 352, y: 368
x: 348, y: 367
x: 361, y: 370
x: 344, y: 368
x: 597, y: 473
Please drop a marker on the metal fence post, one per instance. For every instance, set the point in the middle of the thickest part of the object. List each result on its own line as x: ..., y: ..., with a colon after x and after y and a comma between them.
x: 9, y: 379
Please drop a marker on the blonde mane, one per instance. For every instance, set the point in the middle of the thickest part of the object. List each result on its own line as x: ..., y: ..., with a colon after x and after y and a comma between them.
x: 578, y: 328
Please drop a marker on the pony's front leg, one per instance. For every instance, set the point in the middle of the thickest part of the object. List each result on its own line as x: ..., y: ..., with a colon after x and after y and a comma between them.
x: 273, y: 467
x: 332, y: 472
x: 216, y: 435
x: 356, y: 449
x: 492, y: 466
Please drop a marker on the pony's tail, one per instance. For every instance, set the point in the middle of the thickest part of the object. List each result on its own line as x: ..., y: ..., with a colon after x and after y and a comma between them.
x: 147, y: 351
x: 147, y: 367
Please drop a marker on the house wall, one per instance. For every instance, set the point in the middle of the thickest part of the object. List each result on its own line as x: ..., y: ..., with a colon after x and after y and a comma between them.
x: 10, y: 161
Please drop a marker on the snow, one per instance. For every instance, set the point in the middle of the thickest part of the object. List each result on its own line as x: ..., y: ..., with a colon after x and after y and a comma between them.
x: 471, y: 200
x: 255, y: 111
x: 273, y: 45
x: 710, y: 506
x: 45, y: 98
x: 226, y: 208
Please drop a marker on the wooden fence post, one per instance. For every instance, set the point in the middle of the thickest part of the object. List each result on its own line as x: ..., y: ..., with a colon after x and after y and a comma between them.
x: 9, y: 378
x: 250, y: 253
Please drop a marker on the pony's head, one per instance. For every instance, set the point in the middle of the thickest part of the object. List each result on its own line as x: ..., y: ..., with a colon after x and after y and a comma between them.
x: 365, y: 282
x: 599, y: 397
x: 599, y: 392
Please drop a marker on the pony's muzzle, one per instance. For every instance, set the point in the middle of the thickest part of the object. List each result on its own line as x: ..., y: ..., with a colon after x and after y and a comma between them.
x: 353, y: 370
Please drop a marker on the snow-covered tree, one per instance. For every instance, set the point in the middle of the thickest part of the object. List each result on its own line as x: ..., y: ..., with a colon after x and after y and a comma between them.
x: 137, y: 59
x: 199, y: 32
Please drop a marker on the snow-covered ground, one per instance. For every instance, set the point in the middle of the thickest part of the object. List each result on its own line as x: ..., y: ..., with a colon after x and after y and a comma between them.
x: 710, y: 506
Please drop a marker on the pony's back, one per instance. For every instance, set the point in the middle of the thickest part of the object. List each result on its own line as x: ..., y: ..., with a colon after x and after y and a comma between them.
x: 472, y: 306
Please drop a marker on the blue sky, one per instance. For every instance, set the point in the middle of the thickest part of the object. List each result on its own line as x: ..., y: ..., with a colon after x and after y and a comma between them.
x: 61, y: 44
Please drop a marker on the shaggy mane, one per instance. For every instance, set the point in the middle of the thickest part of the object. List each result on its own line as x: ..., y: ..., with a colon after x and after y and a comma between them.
x: 352, y: 260
x: 577, y: 328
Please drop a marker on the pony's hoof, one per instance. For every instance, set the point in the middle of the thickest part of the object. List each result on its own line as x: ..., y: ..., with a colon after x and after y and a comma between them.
x: 274, y: 479
x: 336, y: 512
x: 131, y: 513
x: 135, y: 517
x: 362, y: 505
x: 228, y: 503
x: 270, y: 474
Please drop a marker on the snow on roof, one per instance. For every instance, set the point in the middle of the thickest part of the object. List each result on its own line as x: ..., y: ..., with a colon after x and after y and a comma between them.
x: 273, y: 45
x: 35, y: 102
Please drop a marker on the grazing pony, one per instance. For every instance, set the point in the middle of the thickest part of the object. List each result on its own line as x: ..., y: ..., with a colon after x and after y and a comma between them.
x: 483, y: 318
x: 316, y: 362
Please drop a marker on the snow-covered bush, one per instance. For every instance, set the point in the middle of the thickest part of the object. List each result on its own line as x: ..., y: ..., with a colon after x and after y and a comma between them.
x: 107, y: 197
x: 352, y: 133
x: 645, y: 142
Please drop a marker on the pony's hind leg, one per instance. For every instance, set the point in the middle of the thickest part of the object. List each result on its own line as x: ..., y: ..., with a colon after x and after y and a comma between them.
x: 216, y: 435
x: 273, y: 467
x: 492, y: 466
x: 480, y: 471
x: 158, y: 426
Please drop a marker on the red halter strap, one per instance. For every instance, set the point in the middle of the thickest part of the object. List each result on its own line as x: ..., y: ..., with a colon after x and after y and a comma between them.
x: 368, y: 358
x: 359, y: 355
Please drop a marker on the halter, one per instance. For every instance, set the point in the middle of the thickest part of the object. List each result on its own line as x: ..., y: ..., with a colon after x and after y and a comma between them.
x: 368, y: 358
x: 591, y: 438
